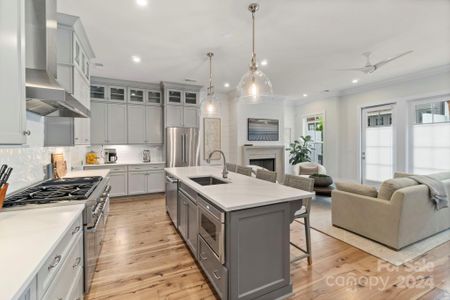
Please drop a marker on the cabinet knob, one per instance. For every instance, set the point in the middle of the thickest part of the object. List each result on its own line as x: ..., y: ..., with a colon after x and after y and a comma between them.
x: 26, y: 132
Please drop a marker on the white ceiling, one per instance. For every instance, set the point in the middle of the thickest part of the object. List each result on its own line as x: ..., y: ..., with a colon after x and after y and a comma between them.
x: 304, y: 41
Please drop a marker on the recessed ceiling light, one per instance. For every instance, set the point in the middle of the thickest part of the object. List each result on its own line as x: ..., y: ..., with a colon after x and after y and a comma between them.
x: 142, y: 2
x: 305, y: 95
x: 355, y: 80
x: 136, y: 59
x: 264, y: 62
x: 226, y: 84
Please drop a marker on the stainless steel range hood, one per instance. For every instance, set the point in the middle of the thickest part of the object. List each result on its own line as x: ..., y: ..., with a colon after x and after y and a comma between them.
x: 44, y: 94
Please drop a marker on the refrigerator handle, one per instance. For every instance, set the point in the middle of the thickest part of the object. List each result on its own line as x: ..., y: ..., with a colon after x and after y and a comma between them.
x: 182, y: 148
x: 185, y: 149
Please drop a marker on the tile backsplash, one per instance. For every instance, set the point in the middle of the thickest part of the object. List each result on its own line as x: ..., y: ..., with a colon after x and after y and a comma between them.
x: 29, y: 162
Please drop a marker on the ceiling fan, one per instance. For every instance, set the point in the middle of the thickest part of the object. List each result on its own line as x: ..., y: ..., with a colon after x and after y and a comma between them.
x: 370, y: 68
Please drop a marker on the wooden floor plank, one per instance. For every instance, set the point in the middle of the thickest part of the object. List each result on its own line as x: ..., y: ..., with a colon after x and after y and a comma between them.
x: 144, y: 258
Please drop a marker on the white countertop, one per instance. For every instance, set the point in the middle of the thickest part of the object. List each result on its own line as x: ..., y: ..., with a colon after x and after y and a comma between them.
x: 87, y: 173
x: 27, y: 238
x: 125, y: 163
x: 242, y: 191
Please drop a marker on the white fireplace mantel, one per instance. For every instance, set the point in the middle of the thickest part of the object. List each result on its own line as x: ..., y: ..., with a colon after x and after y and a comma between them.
x: 265, y: 151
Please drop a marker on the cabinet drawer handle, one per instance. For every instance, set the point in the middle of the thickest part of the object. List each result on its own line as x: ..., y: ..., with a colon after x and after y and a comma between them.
x: 26, y: 132
x: 77, y: 262
x: 215, y: 275
x: 75, y: 230
x: 56, y: 261
x: 202, y: 257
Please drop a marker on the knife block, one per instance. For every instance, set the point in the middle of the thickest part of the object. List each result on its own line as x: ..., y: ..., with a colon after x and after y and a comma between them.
x: 3, y: 194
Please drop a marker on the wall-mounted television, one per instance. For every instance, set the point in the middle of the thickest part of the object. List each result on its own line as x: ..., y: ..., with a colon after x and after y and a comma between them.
x: 263, y: 130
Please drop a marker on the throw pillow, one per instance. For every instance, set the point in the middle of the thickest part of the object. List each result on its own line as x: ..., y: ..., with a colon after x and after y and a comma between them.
x: 308, y: 170
x: 356, y: 188
x: 388, y: 187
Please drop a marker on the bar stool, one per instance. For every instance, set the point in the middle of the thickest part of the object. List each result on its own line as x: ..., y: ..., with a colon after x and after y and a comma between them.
x: 266, y: 175
x: 231, y: 167
x: 247, y: 171
x: 306, y: 184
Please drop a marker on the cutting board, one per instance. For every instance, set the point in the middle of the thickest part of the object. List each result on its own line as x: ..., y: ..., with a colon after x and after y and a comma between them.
x: 59, y: 165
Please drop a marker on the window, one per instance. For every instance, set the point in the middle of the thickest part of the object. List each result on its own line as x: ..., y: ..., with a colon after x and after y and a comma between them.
x: 313, y: 126
x: 431, y: 137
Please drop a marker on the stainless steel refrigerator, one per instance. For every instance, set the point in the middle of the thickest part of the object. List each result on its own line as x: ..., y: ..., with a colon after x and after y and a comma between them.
x: 182, y: 147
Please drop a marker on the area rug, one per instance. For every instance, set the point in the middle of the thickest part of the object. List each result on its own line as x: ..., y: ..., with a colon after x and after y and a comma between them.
x: 321, y: 221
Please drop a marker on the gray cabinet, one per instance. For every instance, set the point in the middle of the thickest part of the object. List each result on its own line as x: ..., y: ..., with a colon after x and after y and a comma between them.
x: 153, y: 97
x: 116, y: 94
x: 117, y: 124
x: 12, y: 73
x: 144, y: 124
x: 155, y: 181
x: 182, y: 105
x: 191, y: 117
x: 136, y: 124
x: 154, y: 125
x: 174, y: 115
x: 98, y: 92
x: 137, y: 183
x: 192, y: 235
x: 99, y: 126
x: 58, y: 131
x: 136, y: 95
x: 108, y: 123
x: 119, y: 184
x: 183, y: 211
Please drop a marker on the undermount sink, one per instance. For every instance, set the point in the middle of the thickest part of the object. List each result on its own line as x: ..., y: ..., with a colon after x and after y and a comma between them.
x: 207, y: 180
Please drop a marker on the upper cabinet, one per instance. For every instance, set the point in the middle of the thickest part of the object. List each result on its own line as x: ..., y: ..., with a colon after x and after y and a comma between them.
x: 182, y: 105
x: 73, y: 58
x: 126, y: 112
x: 154, y: 97
x: 117, y: 94
x: 136, y: 96
x: 12, y: 73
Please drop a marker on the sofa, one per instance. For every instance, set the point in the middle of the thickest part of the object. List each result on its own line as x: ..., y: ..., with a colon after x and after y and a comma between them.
x: 399, y: 214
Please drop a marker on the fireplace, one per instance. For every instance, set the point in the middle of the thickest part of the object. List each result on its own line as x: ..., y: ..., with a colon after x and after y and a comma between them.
x: 266, y: 163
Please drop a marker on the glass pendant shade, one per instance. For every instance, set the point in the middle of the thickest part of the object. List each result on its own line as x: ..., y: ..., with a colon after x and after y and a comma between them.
x: 211, y: 104
x: 254, y: 84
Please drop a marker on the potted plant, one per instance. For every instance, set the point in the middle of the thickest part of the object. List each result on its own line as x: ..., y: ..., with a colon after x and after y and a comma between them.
x: 300, y: 150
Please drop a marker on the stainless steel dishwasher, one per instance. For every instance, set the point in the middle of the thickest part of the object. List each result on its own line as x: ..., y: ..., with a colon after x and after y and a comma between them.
x: 172, y: 198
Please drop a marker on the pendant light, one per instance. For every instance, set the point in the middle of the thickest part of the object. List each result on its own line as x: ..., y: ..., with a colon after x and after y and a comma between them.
x: 254, y: 83
x: 211, y: 100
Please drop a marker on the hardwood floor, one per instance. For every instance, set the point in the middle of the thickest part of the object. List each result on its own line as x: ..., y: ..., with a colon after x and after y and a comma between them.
x: 144, y: 258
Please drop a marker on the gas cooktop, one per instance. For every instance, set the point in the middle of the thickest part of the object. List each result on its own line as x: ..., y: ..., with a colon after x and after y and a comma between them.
x: 77, y: 188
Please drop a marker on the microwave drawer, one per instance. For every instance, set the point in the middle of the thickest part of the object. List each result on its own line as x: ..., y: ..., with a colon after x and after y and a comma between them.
x: 216, y: 272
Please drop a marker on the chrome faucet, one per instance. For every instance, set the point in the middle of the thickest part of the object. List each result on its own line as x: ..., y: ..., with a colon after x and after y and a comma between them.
x: 225, y: 171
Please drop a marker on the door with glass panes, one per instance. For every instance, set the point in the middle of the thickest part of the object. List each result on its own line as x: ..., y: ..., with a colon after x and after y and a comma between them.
x: 377, y: 144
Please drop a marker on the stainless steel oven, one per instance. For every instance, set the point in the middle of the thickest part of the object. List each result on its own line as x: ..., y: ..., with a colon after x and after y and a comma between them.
x: 94, y: 234
x: 211, y: 224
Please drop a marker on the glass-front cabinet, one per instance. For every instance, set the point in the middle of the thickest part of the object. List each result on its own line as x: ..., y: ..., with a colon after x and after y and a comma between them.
x: 98, y: 92
x: 135, y: 95
x: 175, y: 97
x: 191, y: 98
x: 154, y: 97
x: 117, y: 93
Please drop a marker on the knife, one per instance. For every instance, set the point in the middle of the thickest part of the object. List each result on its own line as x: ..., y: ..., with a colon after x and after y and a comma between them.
x: 5, y: 177
x: 3, y: 169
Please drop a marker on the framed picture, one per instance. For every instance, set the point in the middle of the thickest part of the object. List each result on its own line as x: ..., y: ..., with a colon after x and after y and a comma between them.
x: 211, y: 137
x: 263, y: 130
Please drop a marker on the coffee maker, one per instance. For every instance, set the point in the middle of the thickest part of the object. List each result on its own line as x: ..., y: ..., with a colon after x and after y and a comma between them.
x: 110, y: 156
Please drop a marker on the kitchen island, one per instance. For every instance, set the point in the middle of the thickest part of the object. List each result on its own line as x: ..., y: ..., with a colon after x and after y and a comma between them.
x: 238, y: 229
